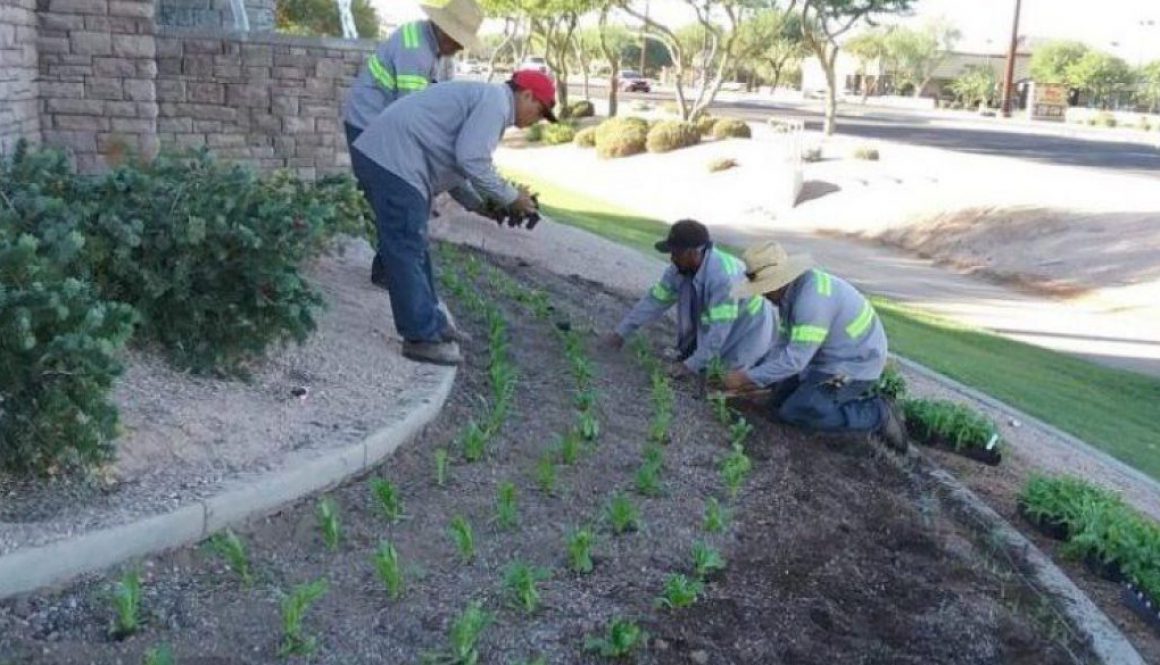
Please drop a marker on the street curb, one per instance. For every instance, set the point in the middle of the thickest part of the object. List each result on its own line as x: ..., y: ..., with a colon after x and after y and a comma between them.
x: 1011, y: 411
x: 26, y: 570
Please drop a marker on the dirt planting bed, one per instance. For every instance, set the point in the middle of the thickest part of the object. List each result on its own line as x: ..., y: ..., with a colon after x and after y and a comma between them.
x: 833, y: 555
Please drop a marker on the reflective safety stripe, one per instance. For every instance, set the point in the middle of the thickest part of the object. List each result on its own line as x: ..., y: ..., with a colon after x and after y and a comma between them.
x: 380, y: 73
x: 825, y: 285
x: 663, y: 294
x: 410, y: 82
x: 721, y: 313
x: 411, y: 36
x: 732, y: 265
x: 808, y: 334
x: 754, y: 305
x: 861, y: 325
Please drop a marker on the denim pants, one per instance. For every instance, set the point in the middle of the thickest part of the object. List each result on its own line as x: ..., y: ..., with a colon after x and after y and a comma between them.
x: 378, y: 271
x: 401, y: 219
x: 811, y: 401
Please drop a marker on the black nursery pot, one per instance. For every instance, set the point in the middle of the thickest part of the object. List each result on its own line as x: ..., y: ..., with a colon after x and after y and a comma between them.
x: 1056, y: 529
x: 1108, y: 570
x: 990, y: 457
x: 1146, y: 607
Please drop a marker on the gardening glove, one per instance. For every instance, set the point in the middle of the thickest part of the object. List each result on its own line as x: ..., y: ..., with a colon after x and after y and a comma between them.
x: 525, y: 203
x: 738, y: 380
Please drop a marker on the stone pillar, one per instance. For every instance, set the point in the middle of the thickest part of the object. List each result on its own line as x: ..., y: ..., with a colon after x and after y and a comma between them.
x: 19, y: 108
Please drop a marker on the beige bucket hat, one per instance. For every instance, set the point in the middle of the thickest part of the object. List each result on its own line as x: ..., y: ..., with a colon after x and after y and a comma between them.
x: 769, y: 268
x: 460, y: 19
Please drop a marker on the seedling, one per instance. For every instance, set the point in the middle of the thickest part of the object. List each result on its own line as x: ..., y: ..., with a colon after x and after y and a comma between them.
x: 569, y: 448
x: 440, y: 466
x: 648, y: 479
x: 521, y: 582
x: 720, y: 404
x: 706, y: 560
x: 126, y: 600
x: 506, y: 511
x: 654, y: 455
x: 680, y: 592
x: 585, y: 399
x: 715, y: 370
x: 546, y: 475
x: 389, y: 497
x: 388, y: 568
x: 463, y: 640
x: 891, y: 383
x: 463, y: 537
x: 328, y: 522
x: 228, y: 546
x: 538, y: 660
x: 622, y: 514
x: 739, y: 431
x: 658, y: 429
x: 956, y: 425
x: 294, y: 608
x: 588, y: 425
x: 580, y: 544
x: 160, y: 655
x: 474, y: 441
x: 620, y: 640
x: 716, y: 517
x: 735, y: 469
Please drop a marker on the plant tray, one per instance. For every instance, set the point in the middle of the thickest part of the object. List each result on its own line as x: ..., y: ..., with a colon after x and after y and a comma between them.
x: 1146, y: 607
x: 990, y: 457
x: 1109, y: 570
x: 1051, y: 528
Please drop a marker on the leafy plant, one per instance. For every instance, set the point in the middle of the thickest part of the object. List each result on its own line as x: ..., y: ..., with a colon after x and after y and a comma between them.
x: 716, y: 517
x: 622, y: 514
x: 720, y: 404
x: 463, y: 640
x: 230, y: 547
x: 891, y: 383
x: 648, y: 479
x: 294, y: 607
x: 866, y: 153
x: 680, y: 592
x: 388, y: 568
x: 506, y: 510
x: 161, y: 654
x: 521, y: 582
x: 716, y: 369
x: 329, y: 523
x: 389, y: 498
x: 440, y: 466
x: 739, y: 431
x: 546, y: 475
x: 658, y: 429
x: 955, y: 424
x: 654, y: 455
x: 588, y: 425
x: 579, y: 543
x: 622, y: 638
x: 585, y: 399
x: 126, y: 599
x: 706, y: 560
x: 463, y: 537
x: 735, y: 469
x: 474, y: 442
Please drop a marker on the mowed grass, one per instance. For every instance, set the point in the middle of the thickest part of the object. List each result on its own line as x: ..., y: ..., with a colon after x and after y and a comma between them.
x: 1111, y: 409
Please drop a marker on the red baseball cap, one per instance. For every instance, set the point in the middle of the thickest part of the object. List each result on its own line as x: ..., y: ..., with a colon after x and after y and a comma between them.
x: 541, y: 87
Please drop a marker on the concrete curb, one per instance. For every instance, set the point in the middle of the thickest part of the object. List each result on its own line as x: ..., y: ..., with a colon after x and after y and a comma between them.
x: 26, y: 570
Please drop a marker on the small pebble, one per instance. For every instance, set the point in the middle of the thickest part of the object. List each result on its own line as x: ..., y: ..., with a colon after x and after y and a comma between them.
x: 699, y: 657
x: 660, y: 645
x: 1014, y: 423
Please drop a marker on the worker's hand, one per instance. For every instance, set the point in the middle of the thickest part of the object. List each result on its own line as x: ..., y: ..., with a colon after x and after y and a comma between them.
x: 738, y: 380
x: 679, y: 371
x: 524, y: 203
x: 613, y: 341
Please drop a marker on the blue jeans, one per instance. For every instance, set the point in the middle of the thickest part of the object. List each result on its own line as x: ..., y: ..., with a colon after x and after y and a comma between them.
x: 810, y: 402
x: 401, y: 219
x: 378, y: 271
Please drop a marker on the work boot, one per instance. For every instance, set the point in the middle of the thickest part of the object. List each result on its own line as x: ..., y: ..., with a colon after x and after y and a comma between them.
x: 452, y: 333
x: 378, y: 272
x: 435, y: 353
x: 892, y: 431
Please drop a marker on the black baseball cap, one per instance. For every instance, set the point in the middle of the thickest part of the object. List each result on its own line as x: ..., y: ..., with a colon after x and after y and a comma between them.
x: 685, y: 234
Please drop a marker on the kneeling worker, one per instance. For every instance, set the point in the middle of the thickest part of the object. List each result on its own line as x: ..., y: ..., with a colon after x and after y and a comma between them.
x: 711, y: 322
x: 831, y: 351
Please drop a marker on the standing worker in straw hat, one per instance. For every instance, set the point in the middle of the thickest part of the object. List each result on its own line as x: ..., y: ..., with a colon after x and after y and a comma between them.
x: 413, y: 57
x: 711, y: 321
x: 830, y: 353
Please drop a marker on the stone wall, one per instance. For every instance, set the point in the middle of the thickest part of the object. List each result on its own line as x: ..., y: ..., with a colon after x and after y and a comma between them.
x: 206, y: 14
x: 19, y: 112
x: 272, y: 101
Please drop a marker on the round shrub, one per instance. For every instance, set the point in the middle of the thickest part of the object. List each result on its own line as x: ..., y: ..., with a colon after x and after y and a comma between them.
x: 1106, y: 120
x: 621, y: 137
x: 535, y: 133
x: 866, y: 153
x: 731, y: 128
x: 672, y: 135
x: 559, y: 134
x: 705, y: 123
x: 671, y: 107
x: 722, y: 164
x: 581, y: 109
x: 585, y: 138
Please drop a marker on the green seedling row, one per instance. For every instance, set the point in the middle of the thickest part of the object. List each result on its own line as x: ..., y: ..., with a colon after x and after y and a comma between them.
x: 955, y: 424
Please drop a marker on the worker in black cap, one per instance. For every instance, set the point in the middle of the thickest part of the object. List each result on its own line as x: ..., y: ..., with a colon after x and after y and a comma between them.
x: 710, y: 322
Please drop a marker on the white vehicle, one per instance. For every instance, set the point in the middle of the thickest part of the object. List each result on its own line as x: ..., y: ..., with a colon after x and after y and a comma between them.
x: 535, y: 63
x: 468, y: 67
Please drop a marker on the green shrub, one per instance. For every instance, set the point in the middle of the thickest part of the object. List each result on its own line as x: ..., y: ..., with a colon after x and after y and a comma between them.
x: 585, y: 138
x: 866, y: 153
x: 812, y: 155
x: 726, y: 128
x: 535, y: 133
x: 891, y: 383
x: 581, y: 109
x: 705, y: 124
x: 671, y: 107
x: 558, y: 134
x: 958, y: 425
x: 722, y: 164
x: 1106, y: 120
x: 672, y: 135
x: 621, y: 137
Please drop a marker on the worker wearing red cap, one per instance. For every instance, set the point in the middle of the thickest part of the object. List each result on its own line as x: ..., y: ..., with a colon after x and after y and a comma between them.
x: 439, y: 140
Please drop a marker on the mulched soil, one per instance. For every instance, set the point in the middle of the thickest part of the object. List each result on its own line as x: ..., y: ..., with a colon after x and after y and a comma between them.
x: 834, y: 555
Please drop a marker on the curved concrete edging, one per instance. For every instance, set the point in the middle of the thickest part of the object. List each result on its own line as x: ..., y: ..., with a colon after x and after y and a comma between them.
x: 26, y: 570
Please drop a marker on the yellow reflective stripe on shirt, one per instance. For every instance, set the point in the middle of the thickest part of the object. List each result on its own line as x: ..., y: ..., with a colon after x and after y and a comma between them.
x: 663, y: 293
x: 754, y: 305
x: 411, y: 82
x: 861, y: 325
x: 380, y: 73
x: 721, y: 313
x: 824, y: 284
x: 808, y: 334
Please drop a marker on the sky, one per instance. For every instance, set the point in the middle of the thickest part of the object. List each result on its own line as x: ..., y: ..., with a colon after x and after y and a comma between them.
x: 1129, y: 29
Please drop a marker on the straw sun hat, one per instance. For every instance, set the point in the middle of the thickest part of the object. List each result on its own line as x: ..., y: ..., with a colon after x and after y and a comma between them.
x: 460, y: 19
x: 769, y: 268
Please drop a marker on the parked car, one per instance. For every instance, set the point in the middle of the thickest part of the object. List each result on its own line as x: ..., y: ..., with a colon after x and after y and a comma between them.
x: 469, y: 67
x: 535, y: 63
x: 632, y: 81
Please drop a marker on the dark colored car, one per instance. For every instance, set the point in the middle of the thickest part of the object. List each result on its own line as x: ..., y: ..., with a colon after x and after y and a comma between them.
x: 632, y: 81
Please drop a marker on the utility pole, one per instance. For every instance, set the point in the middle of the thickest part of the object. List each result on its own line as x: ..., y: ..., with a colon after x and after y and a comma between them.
x: 1009, y: 80
x: 643, y: 38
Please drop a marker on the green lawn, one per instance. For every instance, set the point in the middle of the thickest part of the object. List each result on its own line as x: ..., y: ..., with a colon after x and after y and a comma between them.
x: 1111, y: 409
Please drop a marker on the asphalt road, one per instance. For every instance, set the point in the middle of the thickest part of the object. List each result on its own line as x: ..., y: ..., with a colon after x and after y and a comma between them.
x: 1107, y: 155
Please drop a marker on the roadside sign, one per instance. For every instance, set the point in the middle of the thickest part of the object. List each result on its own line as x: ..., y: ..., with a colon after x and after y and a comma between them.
x: 1047, y: 102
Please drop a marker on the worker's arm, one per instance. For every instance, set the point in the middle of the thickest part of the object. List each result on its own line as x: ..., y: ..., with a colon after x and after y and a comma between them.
x: 466, y: 196
x: 652, y: 306
x: 716, y: 321
x: 478, y: 138
x: 810, y: 320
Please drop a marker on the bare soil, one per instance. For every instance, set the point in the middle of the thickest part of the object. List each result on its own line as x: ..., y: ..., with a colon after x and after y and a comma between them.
x: 835, y: 556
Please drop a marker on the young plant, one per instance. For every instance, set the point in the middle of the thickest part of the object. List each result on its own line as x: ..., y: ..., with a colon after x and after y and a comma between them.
x: 588, y: 425
x: 622, y: 514
x: 679, y: 592
x: 621, y: 639
x: 955, y: 424
x: 891, y: 383
x: 463, y: 537
x: 474, y: 442
x: 294, y: 607
x: 546, y: 475
x: 126, y: 599
x: 585, y: 399
x: 440, y: 466
x: 739, y: 431
x: 521, y: 582
x: 160, y: 655
x: 569, y: 448
x: 706, y: 560
x: 463, y: 640
x: 228, y: 546
x: 648, y: 479
x: 654, y: 455
x: 658, y: 428
x: 507, y: 514
x: 735, y: 469
x: 580, y: 544
x: 328, y: 522
x: 389, y: 498
x: 721, y: 411
x: 715, y: 371
x: 716, y: 517
x: 388, y: 568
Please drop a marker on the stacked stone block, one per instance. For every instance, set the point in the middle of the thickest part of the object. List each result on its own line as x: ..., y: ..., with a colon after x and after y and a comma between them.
x: 19, y: 105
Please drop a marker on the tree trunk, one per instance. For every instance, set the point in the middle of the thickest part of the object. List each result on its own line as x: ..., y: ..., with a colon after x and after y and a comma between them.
x: 828, y: 63
x: 613, y: 63
x: 613, y: 88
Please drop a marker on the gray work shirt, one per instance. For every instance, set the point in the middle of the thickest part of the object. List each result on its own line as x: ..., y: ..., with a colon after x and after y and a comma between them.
x: 407, y: 62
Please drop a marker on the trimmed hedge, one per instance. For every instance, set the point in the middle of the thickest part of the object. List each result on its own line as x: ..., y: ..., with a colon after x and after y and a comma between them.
x: 581, y: 109
x: 731, y: 128
x: 672, y: 135
x: 559, y: 134
x: 585, y: 138
x: 621, y: 137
